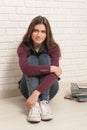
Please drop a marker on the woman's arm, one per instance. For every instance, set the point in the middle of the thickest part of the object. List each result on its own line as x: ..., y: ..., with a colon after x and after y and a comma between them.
x: 31, y: 101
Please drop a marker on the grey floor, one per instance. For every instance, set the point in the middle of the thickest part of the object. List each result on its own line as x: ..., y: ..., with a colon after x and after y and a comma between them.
x: 68, y: 114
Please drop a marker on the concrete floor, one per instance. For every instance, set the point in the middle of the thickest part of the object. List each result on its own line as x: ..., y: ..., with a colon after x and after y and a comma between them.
x: 68, y: 114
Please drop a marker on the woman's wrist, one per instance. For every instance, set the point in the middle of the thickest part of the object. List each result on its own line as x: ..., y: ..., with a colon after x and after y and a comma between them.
x: 52, y: 69
x: 56, y: 70
x: 36, y: 93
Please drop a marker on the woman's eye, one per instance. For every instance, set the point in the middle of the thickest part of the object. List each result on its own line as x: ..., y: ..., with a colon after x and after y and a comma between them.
x: 43, y: 31
x: 35, y: 30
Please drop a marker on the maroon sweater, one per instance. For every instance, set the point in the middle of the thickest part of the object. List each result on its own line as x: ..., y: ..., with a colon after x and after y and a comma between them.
x: 36, y: 70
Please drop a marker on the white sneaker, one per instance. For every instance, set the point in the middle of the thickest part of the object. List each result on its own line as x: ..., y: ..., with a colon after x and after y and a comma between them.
x: 34, y: 114
x: 46, y: 113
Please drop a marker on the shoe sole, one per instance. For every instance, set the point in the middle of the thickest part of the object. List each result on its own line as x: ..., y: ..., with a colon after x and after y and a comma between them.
x: 34, y: 120
x: 46, y: 118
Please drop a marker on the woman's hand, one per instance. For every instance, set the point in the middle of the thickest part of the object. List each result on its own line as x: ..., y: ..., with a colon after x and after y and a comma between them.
x: 56, y: 70
x: 31, y: 101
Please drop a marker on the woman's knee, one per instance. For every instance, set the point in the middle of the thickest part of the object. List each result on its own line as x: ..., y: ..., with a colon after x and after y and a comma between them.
x: 33, y: 60
x: 44, y: 59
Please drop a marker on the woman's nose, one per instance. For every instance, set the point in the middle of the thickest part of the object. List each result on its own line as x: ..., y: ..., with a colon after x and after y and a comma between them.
x: 39, y: 34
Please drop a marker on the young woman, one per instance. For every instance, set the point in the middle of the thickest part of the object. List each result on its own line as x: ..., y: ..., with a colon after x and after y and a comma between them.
x: 39, y: 61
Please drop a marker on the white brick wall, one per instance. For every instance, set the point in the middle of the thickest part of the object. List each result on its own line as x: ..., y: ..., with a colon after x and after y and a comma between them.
x: 68, y: 19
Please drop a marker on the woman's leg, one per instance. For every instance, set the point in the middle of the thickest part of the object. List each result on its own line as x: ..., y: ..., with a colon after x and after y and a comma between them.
x: 24, y: 90
x: 54, y: 89
x: 23, y: 87
x: 28, y: 84
x: 32, y: 82
x: 44, y: 59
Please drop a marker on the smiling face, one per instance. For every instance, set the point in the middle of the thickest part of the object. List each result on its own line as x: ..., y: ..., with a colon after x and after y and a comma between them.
x: 39, y: 34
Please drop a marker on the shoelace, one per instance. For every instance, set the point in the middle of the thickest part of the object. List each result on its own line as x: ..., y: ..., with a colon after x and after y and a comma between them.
x: 35, y: 110
x: 46, y: 107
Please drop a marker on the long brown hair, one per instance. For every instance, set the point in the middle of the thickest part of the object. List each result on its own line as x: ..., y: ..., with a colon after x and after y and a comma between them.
x: 49, y: 41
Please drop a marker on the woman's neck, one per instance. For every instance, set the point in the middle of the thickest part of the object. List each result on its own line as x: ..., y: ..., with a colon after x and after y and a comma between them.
x: 37, y: 47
